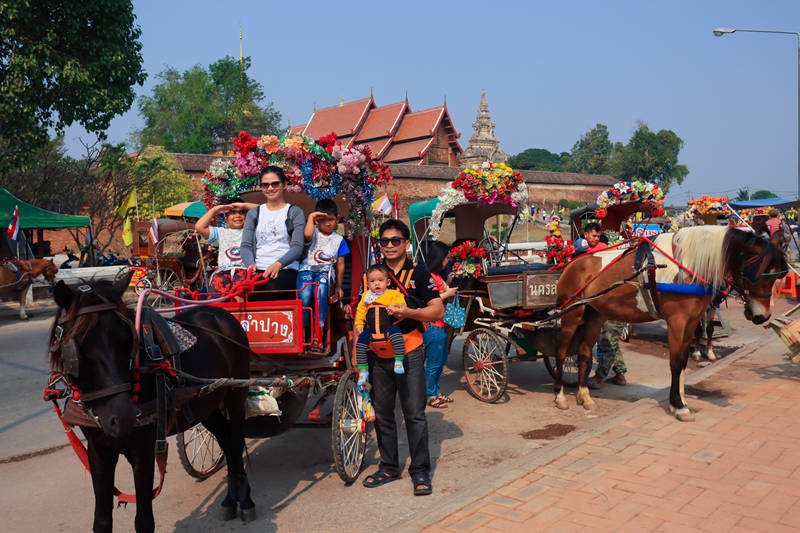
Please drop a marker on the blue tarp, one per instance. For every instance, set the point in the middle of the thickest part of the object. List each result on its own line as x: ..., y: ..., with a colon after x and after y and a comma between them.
x: 764, y: 202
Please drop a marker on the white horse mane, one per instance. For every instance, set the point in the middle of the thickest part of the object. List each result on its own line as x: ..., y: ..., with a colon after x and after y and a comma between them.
x: 698, y: 248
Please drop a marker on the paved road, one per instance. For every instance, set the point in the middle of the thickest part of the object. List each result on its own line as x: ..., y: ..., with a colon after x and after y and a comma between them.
x: 294, y: 485
x: 26, y: 424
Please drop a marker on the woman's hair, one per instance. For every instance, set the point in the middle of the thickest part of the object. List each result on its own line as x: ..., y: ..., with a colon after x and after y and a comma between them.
x: 378, y: 267
x: 434, y: 254
x: 273, y: 169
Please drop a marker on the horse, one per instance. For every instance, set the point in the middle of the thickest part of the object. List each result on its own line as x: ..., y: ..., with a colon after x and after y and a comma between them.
x: 94, y: 347
x: 17, y: 276
x: 603, y: 286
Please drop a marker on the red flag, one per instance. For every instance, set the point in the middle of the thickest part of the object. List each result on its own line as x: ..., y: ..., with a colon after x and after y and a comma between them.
x: 396, y: 204
x: 13, y: 226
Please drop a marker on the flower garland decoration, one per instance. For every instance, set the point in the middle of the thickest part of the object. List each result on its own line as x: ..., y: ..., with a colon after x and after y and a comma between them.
x: 485, y: 183
x: 222, y: 181
x: 467, y: 260
x: 709, y: 205
x: 559, y: 250
x: 650, y: 194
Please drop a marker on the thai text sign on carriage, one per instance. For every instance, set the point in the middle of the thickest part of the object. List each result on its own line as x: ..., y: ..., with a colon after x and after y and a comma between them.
x: 271, y: 328
x: 540, y: 289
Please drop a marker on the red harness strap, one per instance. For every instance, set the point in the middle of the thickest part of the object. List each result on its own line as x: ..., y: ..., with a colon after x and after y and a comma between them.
x: 83, y: 455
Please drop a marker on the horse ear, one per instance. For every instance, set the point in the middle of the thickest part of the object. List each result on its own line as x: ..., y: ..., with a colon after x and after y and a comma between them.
x: 63, y: 295
x: 121, y: 283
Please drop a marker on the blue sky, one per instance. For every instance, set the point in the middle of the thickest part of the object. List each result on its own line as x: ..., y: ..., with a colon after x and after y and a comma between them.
x: 551, y: 70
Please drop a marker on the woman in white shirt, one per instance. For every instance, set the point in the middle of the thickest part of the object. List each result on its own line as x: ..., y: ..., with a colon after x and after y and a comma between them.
x: 272, y: 239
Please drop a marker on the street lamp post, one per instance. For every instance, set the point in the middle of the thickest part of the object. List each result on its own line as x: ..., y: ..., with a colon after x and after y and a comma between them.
x: 719, y: 32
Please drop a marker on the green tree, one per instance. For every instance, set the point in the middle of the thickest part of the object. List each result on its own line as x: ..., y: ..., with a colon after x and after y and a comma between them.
x: 652, y: 156
x: 762, y: 194
x: 742, y: 195
x: 592, y: 153
x: 63, y: 62
x: 199, y: 110
x: 537, y: 159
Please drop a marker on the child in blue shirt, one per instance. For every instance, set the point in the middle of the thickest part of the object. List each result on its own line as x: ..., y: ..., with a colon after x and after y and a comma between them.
x: 324, y: 263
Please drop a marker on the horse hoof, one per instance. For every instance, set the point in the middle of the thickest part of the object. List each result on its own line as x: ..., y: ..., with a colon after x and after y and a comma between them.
x: 684, y: 415
x: 248, y: 515
x: 711, y: 356
x: 589, y: 406
x: 562, y: 404
x: 227, y: 513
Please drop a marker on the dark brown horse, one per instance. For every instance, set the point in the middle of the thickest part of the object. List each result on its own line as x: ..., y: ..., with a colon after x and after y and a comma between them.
x: 17, y: 276
x: 94, y: 345
x: 752, y: 263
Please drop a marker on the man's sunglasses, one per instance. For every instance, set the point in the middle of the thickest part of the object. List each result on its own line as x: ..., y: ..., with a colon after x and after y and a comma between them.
x: 396, y: 241
x: 271, y: 184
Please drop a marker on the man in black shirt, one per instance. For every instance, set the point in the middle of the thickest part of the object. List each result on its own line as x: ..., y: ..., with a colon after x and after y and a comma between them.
x: 422, y: 305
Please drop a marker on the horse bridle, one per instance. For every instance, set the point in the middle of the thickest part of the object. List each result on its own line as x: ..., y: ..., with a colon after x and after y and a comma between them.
x: 752, y: 270
x: 69, y: 353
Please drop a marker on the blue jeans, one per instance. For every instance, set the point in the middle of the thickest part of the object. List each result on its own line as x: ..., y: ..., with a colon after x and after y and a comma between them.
x: 305, y: 277
x: 435, y: 358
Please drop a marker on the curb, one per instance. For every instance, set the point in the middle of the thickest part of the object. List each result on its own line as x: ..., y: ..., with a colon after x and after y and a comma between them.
x: 509, y: 472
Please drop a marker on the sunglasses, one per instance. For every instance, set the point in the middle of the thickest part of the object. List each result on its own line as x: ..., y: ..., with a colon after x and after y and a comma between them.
x: 395, y: 241
x: 271, y: 184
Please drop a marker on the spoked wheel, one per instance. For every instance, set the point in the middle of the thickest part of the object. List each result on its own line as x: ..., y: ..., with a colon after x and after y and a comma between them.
x: 199, y: 452
x: 485, y: 359
x: 349, y: 429
x: 569, y: 376
x: 167, y: 281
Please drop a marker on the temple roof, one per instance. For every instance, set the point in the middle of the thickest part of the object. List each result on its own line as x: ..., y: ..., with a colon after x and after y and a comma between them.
x: 393, y: 132
x: 344, y: 119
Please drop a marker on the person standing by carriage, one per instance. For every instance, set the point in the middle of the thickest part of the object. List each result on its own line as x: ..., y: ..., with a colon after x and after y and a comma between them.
x: 419, y: 289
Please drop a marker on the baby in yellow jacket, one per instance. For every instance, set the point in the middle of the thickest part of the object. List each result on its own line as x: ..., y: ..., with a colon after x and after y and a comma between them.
x: 373, y: 323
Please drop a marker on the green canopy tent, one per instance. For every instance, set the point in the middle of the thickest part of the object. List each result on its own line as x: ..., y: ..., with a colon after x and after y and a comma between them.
x: 31, y: 217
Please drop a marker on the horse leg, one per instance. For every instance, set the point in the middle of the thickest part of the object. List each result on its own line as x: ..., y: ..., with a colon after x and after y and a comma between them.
x: 218, y: 425
x: 569, y: 325
x: 710, y: 316
x: 589, y: 332
x: 23, y: 297
x: 679, y: 332
x: 142, y: 460
x: 103, y: 463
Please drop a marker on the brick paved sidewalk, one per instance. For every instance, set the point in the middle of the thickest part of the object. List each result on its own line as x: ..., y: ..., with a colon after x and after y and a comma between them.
x: 736, y: 468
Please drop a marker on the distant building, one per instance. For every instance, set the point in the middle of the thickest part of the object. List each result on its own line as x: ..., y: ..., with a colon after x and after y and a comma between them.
x: 394, y: 133
x: 483, y: 145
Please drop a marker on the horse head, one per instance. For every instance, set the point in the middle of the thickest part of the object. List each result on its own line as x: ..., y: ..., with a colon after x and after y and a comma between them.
x: 50, y: 271
x: 92, y: 344
x: 755, y: 263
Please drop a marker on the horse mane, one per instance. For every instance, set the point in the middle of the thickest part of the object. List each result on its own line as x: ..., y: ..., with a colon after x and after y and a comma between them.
x: 702, y: 249
x: 79, y: 325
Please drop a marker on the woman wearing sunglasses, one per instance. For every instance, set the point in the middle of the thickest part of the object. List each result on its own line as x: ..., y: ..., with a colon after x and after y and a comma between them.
x: 423, y: 304
x: 228, y: 239
x: 272, y: 239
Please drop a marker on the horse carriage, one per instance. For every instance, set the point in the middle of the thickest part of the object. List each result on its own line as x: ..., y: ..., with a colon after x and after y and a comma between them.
x: 177, y: 258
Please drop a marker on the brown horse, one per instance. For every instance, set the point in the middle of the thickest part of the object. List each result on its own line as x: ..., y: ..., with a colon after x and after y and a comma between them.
x: 712, y: 254
x: 17, y: 277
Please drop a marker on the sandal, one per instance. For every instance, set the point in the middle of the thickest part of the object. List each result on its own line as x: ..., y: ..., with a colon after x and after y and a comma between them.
x: 437, y: 403
x: 446, y: 399
x: 379, y: 478
x: 422, y: 484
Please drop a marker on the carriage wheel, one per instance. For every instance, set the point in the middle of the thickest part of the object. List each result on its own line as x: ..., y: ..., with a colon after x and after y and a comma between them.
x: 569, y: 376
x: 349, y: 429
x: 199, y: 452
x: 167, y: 281
x: 485, y: 359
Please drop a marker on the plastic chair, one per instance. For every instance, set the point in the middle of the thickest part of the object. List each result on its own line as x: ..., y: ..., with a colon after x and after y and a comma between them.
x: 787, y: 285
